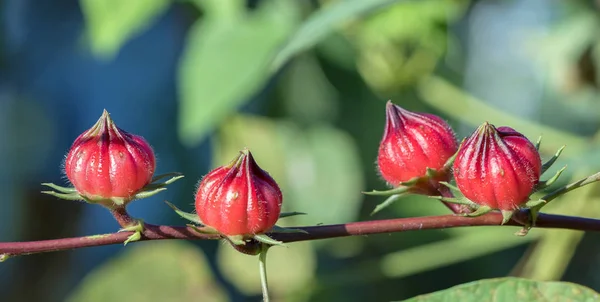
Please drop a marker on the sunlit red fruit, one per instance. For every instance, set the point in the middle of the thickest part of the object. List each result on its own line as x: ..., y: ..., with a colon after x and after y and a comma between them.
x: 497, y: 167
x: 413, y: 142
x: 239, y: 198
x: 107, y: 163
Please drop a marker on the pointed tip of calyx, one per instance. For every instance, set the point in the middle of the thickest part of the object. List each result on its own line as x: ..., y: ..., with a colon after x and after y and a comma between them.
x: 243, y: 158
x: 393, y: 115
x: 102, y: 126
x: 485, y: 128
x: 105, y: 117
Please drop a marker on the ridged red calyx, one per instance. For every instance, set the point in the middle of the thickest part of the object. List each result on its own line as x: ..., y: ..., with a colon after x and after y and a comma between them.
x: 497, y: 168
x: 413, y: 143
x: 107, y: 165
x: 239, y: 199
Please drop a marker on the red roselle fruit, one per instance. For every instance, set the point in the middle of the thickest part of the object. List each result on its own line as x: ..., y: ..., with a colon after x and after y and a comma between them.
x: 412, y: 143
x: 239, y: 199
x: 497, y: 168
x: 108, y: 165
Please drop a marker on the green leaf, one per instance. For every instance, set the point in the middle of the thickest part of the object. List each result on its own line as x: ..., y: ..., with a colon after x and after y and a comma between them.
x: 226, y: 61
x: 154, y: 271
x: 323, y: 23
x: 511, y: 289
x: 110, y: 23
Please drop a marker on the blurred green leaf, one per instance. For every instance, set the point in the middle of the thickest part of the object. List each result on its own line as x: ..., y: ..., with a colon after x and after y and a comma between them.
x: 110, y: 23
x: 411, y: 21
x: 512, y: 289
x: 324, y: 175
x: 402, y: 44
x: 154, y: 271
x: 307, y: 95
x: 289, y: 269
x: 322, y: 23
x: 226, y: 61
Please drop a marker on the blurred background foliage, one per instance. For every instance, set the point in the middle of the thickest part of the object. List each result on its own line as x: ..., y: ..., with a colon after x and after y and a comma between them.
x: 303, y: 84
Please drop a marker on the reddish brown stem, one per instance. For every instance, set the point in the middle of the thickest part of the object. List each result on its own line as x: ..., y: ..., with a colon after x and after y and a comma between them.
x: 122, y: 217
x: 155, y: 232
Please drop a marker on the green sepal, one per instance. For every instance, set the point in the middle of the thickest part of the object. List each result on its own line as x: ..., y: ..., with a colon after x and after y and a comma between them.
x: 236, y: 240
x: 290, y: 214
x: 145, y: 194
x: 4, y: 257
x: 134, y: 237
x: 538, y: 143
x: 535, y: 203
x: 544, y: 184
x: 137, y: 228
x: 456, y: 200
x: 395, y: 191
x: 204, y: 230
x: 430, y: 173
x: 185, y: 215
x: 450, y: 161
x: 450, y: 186
x: 278, y: 229
x: 551, y: 161
x: 506, y: 216
x: 154, y: 186
x: 386, y: 203
x: 482, y: 210
x: 267, y: 240
x: 150, y: 189
x: 66, y: 196
x: 59, y: 188
x: 174, y: 176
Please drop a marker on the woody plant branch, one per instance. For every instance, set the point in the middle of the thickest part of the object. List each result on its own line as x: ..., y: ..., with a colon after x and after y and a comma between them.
x: 305, y: 233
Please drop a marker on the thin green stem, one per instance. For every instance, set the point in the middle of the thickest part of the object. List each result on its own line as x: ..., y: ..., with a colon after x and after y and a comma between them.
x: 262, y: 266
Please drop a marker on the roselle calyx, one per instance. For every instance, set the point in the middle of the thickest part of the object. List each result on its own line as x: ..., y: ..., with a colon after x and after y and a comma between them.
x: 109, y: 166
x: 239, y: 200
x: 412, y: 144
x: 497, y: 169
x: 415, y: 153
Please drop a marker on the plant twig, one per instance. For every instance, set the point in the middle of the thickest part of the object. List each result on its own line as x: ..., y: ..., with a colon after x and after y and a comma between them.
x: 159, y: 232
